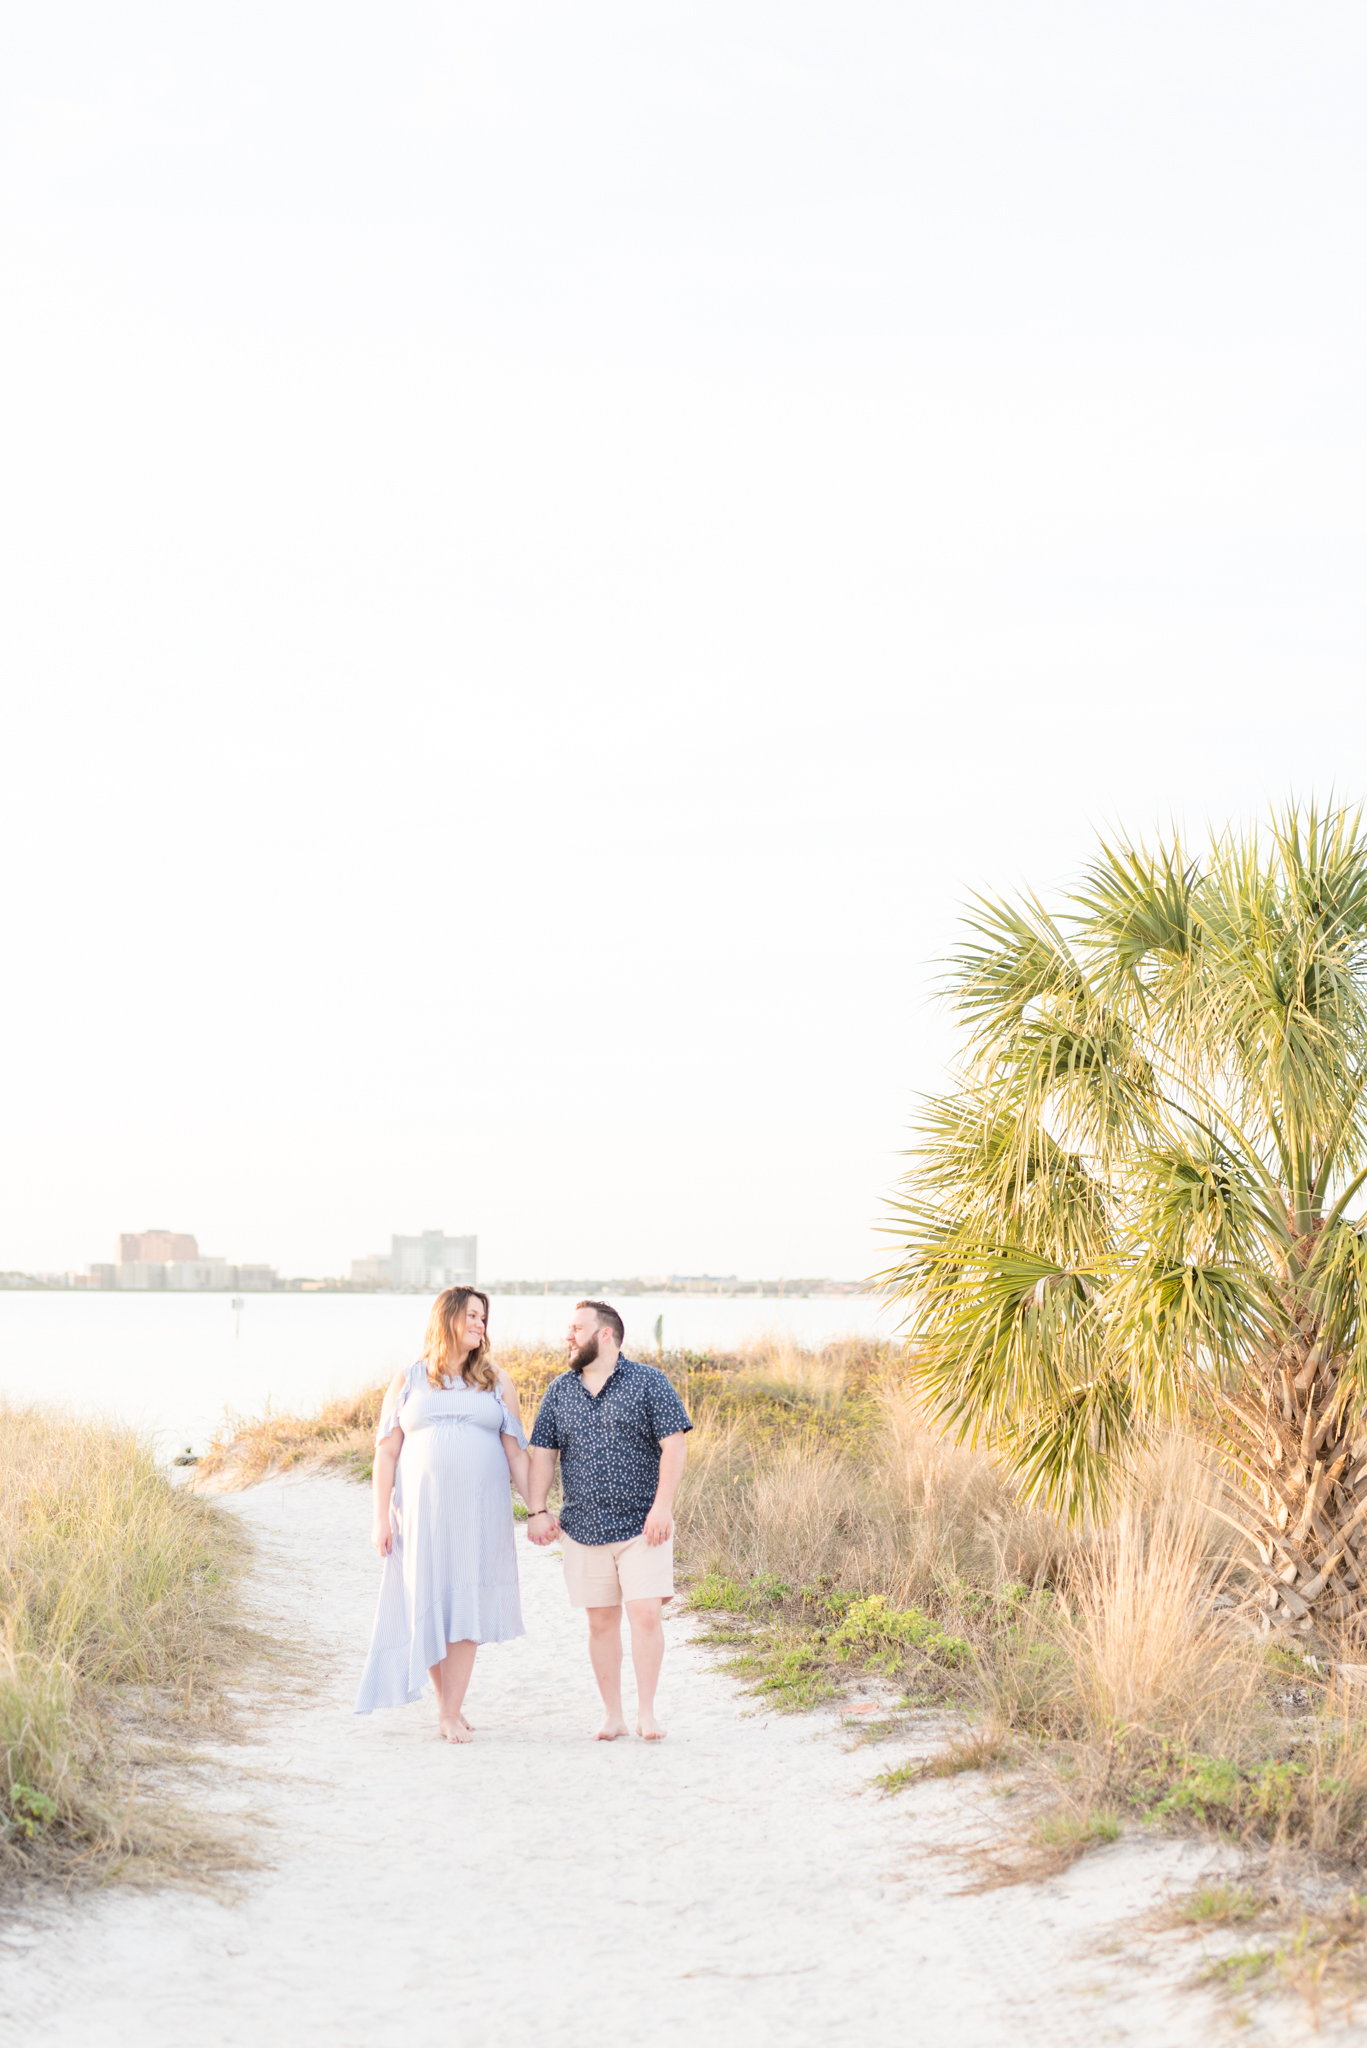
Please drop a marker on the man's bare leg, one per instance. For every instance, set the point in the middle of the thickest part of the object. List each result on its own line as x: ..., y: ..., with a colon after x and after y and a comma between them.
x: 647, y: 1655
x: 605, y: 1655
x: 451, y: 1678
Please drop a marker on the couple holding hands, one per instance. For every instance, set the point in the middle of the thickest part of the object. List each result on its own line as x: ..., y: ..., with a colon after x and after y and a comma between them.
x: 450, y: 1435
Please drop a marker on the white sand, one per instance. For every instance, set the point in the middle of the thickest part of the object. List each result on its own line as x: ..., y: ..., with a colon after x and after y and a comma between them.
x: 534, y: 1887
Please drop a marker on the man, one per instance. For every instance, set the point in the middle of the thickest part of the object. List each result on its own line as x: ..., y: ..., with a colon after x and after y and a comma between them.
x: 619, y: 1428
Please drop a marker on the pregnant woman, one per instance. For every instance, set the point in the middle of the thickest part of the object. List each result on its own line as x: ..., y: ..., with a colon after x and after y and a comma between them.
x: 449, y: 1437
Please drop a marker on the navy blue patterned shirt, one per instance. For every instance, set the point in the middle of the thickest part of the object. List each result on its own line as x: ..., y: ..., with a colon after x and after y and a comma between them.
x: 609, y: 1445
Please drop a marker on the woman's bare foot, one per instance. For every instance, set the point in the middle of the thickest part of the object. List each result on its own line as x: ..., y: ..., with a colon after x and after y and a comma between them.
x: 647, y: 1725
x: 456, y: 1731
x: 611, y: 1729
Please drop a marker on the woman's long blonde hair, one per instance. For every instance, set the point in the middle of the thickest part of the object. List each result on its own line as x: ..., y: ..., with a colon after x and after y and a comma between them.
x: 442, y: 1337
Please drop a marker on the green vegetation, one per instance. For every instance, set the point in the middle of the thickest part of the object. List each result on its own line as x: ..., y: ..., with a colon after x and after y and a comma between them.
x: 1321, y: 1955
x: 119, y: 1600
x: 1135, y: 1208
x: 881, y: 1636
x: 1236, y: 1972
x: 799, y: 1664
x: 807, y: 1633
x: 1075, y: 1833
x: 977, y: 1749
x: 1221, y: 1905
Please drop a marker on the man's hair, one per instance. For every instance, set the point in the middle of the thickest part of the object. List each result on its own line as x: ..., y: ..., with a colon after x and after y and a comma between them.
x: 608, y: 1318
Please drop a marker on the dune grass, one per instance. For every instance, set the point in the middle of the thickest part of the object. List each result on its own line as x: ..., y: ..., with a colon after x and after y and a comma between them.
x: 765, y: 1389
x: 1115, y: 1670
x: 1116, y: 1666
x: 120, y: 1636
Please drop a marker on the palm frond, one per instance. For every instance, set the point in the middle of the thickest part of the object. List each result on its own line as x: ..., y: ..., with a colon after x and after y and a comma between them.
x: 1020, y: 957
x: 1139, y: 910
x: 1004, y: 1176
x: 1177, y: 1324
x: 1198, y: 1199
x: 1067, y: 1456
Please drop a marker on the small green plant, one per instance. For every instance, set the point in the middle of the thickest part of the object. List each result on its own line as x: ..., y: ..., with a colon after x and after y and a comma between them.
x: 717, y: 1594
x: 792, y: 1678
x: 879, y: 1634
x: 1272, y: 1798
x: 30, y: 1811
x: 1075, y: 1833
x: 1234, y: 1972
x: 795, y: 1677
x: 1221, y: 1905
x: 973, y: 1751
x: 869, y: 1732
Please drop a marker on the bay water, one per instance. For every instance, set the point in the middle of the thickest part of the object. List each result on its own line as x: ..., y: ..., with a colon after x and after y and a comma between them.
x: 174, y: 1364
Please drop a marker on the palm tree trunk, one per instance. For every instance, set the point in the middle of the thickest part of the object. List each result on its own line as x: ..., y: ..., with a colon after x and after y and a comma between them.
x: 1304, y: 1497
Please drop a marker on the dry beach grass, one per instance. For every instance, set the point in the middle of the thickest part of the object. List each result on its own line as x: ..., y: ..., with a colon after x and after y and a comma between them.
x: 1113, y: 1667
x: 118, y: 1593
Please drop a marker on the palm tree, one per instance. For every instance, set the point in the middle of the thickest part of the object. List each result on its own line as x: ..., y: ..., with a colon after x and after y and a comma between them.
x: 1135, y: 1206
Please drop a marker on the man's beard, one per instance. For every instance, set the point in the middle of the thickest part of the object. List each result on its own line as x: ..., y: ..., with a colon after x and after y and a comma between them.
x: 587, y: 1354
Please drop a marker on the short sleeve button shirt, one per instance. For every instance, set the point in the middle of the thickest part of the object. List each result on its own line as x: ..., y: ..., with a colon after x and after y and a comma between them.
x: 609, y: 1445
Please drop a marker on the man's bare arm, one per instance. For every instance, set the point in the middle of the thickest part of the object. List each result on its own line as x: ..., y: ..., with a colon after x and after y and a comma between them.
x: 660, y: 1521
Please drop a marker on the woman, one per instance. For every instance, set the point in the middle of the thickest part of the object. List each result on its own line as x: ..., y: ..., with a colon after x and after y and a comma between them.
x: 449, y: 1437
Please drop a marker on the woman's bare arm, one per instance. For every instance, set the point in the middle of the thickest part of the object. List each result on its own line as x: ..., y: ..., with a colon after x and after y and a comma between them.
x: 519, y: 1464
x: 382, y: 1473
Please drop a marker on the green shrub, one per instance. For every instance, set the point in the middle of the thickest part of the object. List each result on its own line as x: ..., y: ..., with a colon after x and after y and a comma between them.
x: 876, y: 1633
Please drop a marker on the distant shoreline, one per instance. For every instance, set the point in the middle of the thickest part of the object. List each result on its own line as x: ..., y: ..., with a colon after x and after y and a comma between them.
x: 704, y: 1289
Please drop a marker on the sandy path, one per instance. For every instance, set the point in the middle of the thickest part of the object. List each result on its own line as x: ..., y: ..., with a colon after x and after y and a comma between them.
x: 536, y: 1887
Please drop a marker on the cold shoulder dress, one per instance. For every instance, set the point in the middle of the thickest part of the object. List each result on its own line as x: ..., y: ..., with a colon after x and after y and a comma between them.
x: 452, y: 1573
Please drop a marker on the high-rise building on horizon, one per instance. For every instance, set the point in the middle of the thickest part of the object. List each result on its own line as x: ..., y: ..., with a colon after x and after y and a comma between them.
x: 199, y: 1276
x: 156, y: 1247
x: 429, y: 1261
x: 171, y: 1259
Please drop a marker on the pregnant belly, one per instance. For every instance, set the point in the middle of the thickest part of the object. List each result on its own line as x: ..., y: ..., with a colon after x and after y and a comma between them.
x: 456, y: 1453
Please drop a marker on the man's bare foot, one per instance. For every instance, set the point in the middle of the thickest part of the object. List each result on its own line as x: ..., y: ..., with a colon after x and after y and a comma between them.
x: 456, y: 1731
x: 647, y: 1725
x: 611, y: 1729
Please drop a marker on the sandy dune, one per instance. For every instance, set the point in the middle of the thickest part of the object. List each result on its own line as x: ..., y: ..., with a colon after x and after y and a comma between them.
x: 733, y: 1883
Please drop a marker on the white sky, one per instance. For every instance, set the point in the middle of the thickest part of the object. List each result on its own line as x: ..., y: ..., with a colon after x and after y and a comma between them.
x: 547, y: 547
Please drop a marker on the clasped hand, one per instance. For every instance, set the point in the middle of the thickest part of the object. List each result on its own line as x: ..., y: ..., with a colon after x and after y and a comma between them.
x: 542, y: 1528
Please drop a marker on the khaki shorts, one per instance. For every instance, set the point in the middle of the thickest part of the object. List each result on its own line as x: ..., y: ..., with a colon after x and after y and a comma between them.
x: 606, y: 1574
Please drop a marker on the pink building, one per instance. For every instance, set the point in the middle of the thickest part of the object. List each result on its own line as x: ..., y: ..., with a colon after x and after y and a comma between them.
x: 155, y: 1247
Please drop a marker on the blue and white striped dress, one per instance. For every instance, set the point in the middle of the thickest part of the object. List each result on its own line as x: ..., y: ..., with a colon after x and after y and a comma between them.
x: 451, y: 1576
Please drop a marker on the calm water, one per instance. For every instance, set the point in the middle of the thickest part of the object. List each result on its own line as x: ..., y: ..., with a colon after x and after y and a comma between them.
x: 173, y: 1363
